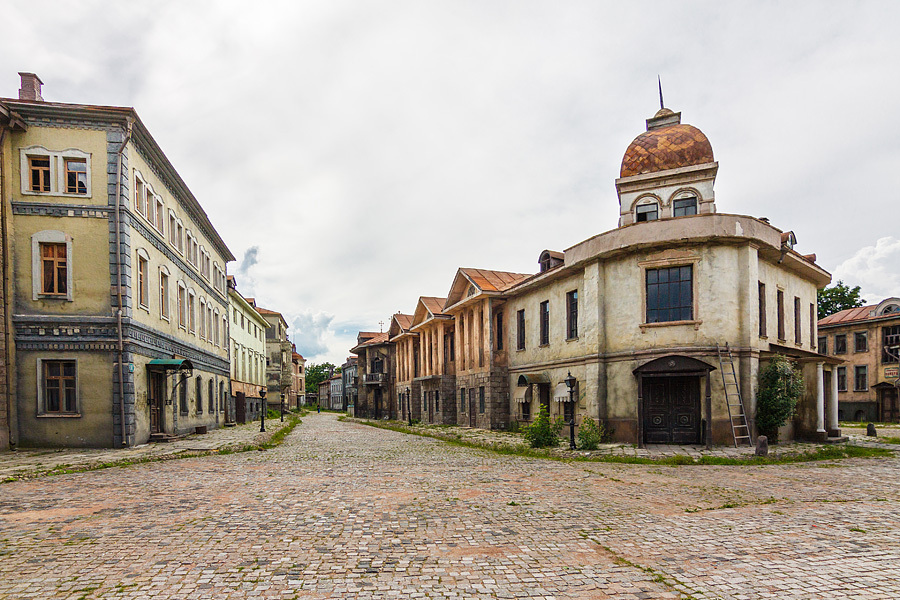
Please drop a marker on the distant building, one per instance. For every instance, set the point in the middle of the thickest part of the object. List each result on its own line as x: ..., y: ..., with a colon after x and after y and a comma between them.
x: 349, y: 374
x: 336, y: 392
x: 375, y: 354
x: 324, y: 396
x: 298, y: 379
x: 279, y: 377
x: 248, y: 357
x: 868, y: 339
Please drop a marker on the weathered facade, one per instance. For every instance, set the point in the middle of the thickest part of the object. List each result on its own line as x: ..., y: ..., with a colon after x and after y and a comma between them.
x: 406, y: 367
x: 376, y: 386
x: 868, y: 339
x: 350, y: 379
x: 248, y: 357
x: 279, y: 376
x: 298, y: 379
x: 119, y: 298
x: 476, y: 303
x: 436, y: 368
x: 636, y: 314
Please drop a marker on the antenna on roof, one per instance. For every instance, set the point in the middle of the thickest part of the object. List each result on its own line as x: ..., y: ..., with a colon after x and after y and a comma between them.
x: 380, y: 326
x: 661, y: 105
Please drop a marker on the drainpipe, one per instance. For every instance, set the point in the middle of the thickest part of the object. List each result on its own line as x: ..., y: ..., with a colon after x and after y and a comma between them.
x: 119, y: 266
x: 4, y: 229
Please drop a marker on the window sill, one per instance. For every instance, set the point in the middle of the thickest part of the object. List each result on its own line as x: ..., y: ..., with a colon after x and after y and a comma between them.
x: 144, y: 308
x: 520, y: 349
x: 694, y: 323
x: 572, y: 339
x: 547, y: 345
x: 59, y: 415
x: 61, y: 297
x: 164, y: 318
x: 764, y: 337
x: 55, y: 194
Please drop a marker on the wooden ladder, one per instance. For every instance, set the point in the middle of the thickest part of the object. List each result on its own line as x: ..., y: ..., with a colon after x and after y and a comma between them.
x: 740, y: 429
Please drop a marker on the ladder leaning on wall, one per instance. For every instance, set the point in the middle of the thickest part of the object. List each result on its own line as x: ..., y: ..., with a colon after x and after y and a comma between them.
x: 740, y: 428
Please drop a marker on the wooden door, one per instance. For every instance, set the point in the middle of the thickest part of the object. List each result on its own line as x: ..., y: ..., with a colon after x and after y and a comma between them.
x: 672, y: 410
x: 472, y: 416
x: 157, y: 401
x: 890, y: 411
x: 240, y: 408
x: 544, y: 396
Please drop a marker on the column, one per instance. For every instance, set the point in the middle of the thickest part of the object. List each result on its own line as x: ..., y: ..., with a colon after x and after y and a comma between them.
x: 833, y: 406
x: 463, y: 342
x: 820, y: 398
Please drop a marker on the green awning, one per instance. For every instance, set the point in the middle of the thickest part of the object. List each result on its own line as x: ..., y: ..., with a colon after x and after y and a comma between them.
x: 170, y: 364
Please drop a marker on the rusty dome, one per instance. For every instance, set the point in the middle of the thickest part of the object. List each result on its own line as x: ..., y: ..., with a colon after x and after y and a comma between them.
x: 666, y: 147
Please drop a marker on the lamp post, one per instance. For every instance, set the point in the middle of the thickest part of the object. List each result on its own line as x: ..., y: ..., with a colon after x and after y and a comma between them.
x: 282, y: 407
x: 262, y: 410
x: 570, y: 383
x: 408, y: 407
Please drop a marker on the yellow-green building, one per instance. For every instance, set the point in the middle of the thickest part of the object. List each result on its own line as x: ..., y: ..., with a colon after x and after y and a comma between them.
x: 118, y: 290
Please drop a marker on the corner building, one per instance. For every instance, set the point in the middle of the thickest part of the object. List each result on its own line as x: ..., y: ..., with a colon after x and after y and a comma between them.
x: 636, y: 314
x: 119, y: 297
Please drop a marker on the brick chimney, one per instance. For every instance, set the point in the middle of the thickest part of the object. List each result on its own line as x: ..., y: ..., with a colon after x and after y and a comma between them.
x: 31, y: 87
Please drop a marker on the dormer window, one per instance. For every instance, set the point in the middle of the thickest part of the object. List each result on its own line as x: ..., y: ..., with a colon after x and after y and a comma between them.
x: 683, y: 207
x: 646, y: 212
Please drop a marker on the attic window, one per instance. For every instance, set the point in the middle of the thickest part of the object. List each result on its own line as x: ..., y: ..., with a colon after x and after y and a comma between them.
x: 472, y: 291
x: 647, y: 212
x: 891, y: 309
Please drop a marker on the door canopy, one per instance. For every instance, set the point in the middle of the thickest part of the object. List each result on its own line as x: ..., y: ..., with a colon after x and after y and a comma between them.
x: 674, y: 364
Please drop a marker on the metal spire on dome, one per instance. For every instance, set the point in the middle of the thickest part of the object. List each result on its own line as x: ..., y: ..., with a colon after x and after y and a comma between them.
x: 661, y: 105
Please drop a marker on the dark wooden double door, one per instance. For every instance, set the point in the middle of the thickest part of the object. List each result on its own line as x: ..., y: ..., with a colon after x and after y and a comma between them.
x: 157, y: 400
x: 671, y: 410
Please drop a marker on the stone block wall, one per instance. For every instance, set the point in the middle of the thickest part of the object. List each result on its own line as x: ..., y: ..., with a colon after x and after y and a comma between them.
x: 496, y: 399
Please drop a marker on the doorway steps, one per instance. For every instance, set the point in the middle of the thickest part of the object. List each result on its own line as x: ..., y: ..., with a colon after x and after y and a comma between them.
x: 162, y: 438
x: 737, y: 416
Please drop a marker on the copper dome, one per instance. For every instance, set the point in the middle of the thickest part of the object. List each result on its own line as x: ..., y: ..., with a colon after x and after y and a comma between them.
x: 664, y: 148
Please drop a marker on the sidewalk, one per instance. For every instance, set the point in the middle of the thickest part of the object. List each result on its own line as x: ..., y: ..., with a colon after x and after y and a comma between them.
x: 26, y: 463
x: 499, y: 439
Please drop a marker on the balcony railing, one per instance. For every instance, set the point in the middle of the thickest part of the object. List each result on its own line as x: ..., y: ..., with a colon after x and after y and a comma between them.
x: 374, y: 378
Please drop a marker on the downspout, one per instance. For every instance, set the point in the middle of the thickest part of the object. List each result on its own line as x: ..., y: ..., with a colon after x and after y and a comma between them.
x: 4, y: 234
x: 119, y: 267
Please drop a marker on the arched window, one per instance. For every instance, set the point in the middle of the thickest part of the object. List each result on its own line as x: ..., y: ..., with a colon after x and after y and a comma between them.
x: 684, y: 206
x: 199, y: 397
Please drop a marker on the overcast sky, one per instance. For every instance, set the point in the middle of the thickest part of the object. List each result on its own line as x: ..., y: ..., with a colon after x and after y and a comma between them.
x: 354, y: 154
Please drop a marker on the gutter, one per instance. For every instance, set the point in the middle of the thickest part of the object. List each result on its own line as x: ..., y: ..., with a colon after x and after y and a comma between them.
x: 4, y: 252
x: 119, y: 265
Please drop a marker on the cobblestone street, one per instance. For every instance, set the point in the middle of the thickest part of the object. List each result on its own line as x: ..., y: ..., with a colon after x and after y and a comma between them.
x: 344, y: 510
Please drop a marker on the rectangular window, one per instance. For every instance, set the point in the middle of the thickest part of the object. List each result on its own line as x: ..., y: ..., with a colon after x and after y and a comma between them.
x: 812, y: 325
x: 76, y: 176
x: 798, y: 336
x: 890, y: 349
x: 143, y: 289
x: 647, y: 212
x: 54, y: 269
x: 39, y: 169
x: 499, y: 332
x: 780, y: 315
x: 684, y: 207
x: 860, y: 378
x: 762, y: 310
x: 160, y: 216
x: 58, y: 380
x: 860, y: 341
x: 572, y: 315
x: 182, y: 307
x: 164, y: 295
x: 172, y: 223
x: 462, y: 399
x: 670, y: 294
x: 545, y: 322
x: 842, y: 379
x: 192, y: 320
x: 823, y: 344
x: 481, y: 400
x: 520, y: 330
x: 202, y: 319
x: 840, y: 344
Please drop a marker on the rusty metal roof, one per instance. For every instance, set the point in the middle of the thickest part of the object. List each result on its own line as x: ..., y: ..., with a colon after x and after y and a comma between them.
x: 493, y: 281
x: 861, y: 313
x: 666, y: 148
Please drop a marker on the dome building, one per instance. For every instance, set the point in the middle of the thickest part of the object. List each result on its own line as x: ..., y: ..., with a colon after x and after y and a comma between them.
x: 650, y: 317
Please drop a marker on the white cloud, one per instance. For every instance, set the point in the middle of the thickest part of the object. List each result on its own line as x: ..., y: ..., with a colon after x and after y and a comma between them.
x: 367, y: 150
x: 876, y: 269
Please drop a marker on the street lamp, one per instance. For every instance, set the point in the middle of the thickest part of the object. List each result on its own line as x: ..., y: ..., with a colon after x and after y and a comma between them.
x: 262, y: 410
x: 282, y: 407
x: 408, y: 407
x: 570, y: 383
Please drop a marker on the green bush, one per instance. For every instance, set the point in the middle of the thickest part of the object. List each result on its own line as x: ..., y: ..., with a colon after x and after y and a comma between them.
x: 590, y: 434
x: 780, y: 388
x: 542, y: 433
x: 513, y: 426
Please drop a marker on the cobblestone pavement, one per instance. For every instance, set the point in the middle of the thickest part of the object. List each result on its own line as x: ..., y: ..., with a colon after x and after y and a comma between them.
x: 342, y: 510
x: 32, y: 462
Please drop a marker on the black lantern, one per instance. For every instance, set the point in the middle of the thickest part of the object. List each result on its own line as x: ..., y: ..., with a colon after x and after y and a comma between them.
x: 408, y: 407
x: 570, y: 383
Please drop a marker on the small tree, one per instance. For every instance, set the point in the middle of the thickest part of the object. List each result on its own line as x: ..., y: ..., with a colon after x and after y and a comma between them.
x: 542, y: 433
x: 590, y: 434
x: 837, y: 298
x: 780, y: 388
